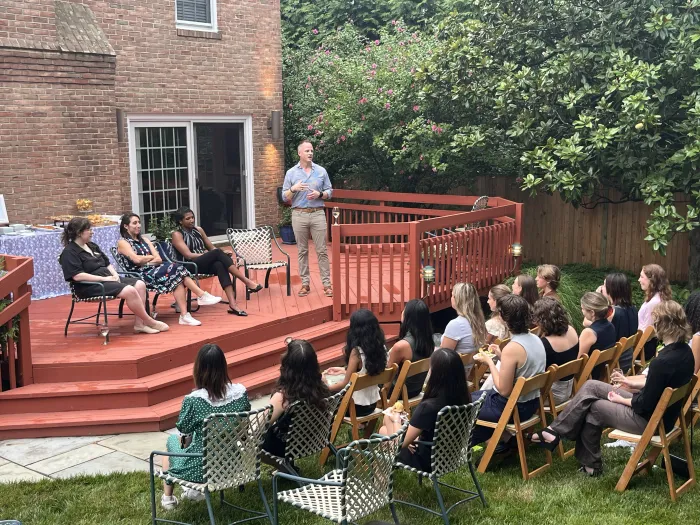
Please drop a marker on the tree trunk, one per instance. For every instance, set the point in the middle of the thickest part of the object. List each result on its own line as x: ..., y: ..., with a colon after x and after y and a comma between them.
x: 694, y: 260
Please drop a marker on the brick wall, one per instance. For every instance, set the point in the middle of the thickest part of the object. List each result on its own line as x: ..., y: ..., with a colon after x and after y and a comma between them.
x: 157, y: 71
x: 31, y: 20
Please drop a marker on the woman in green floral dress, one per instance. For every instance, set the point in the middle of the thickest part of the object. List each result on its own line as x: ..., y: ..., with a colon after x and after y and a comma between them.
x: 215, y: 394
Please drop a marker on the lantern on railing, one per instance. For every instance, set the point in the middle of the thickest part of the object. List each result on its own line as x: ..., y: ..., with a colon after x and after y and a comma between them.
x: 516, y: 249
x: 428, y: 274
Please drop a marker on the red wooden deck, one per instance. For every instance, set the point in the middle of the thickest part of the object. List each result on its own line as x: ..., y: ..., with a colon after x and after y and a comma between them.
x: 78, y: 386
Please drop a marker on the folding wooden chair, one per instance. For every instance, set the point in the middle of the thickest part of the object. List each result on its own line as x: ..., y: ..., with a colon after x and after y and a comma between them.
x: 608, y: 359
x: 638, y: 360
x: 347, y: 405
x: 656, y: 436
x: 522, y: 387
x: 408, y: 369
x: 557, y: 372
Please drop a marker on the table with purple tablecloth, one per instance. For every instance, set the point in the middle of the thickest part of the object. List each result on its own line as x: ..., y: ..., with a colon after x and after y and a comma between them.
x: 45, y: 247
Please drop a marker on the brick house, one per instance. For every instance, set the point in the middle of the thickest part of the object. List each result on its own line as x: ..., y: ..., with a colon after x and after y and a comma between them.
x: 141, y: 105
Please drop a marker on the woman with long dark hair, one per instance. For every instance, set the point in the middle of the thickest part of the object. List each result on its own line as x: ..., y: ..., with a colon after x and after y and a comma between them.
x: 192, y: 244
x: 365, y: 352
x: 300, y: 380
x: 138, y: 255
x: 526, y: 287
x: 84, y: 264
x: 692, y: 311
x: 624, y: 315
x: 415, y: 342
x: 214, y: 394
x: 447, y: 386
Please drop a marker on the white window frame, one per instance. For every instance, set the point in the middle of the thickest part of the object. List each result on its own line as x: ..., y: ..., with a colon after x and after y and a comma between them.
x: 198, y: 26
x: 137, y: 120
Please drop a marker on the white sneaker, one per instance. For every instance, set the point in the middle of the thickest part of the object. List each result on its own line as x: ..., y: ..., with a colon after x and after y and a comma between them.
x: 188, y: 320
x: 208, y: 299
x: 192, y: 495
x: 168, y: 502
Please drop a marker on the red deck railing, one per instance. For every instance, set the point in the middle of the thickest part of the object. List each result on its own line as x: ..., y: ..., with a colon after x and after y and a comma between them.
x: 15, y: 292
x: 381, y: 243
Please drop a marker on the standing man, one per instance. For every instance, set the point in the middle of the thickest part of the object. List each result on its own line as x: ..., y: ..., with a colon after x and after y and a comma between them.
x: 306, y: 186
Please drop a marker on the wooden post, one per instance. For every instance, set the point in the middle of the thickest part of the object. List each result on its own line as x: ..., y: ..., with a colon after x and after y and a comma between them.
x: 414, y: 266
x: 518, y: 234
x: 26, y: 371
x: 335, y: 273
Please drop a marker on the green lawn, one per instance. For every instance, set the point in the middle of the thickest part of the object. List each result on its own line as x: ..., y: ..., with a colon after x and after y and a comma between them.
x: 560, y: 496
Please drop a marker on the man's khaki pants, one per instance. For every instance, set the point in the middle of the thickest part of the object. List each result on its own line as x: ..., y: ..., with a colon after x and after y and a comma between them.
x: 312, y: 225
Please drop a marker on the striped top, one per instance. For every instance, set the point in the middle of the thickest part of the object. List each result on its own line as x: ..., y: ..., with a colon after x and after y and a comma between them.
x: 194, y: 242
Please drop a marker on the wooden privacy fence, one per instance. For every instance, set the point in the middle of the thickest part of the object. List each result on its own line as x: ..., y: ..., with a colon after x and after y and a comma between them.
x: 381, y: 244
x: 15, y: 292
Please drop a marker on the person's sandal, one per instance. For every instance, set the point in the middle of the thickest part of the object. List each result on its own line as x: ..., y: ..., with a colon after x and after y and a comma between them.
x: 328, y: 291
x: 239, y: 313
x: 304, y: 290
x: 256, y: 289
x: 541, y: 441
x: 594, y: 474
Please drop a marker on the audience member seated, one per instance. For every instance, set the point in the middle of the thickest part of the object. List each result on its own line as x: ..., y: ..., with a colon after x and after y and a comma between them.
x: 548, y: 277
x: 656, y: 288
x: 692, y: 311
x: 600, y: 334
x: 447, y: 386
x: 300, y: 380
x: 192, y: 244
x: 214, y: 394
x: 624, y: 316
x: 526, y: 287
x: 84, y: 264
x: 467, y: 332
x: 138, y: 255
x: 495, y: 326
x: 524, y: 356
x: 560, y: 342
x: 365, y: 353
x: 599, y: 405
x: 415, y: 342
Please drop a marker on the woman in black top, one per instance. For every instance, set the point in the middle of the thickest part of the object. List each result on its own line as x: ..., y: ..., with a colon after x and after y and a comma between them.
x: 84, y: 264
x: 415, y: 342
x: 192, y: 244
x: 447, y: 386
x: 598, y: 405
x: 600, y: 334
x: 560, y: 342
x: 624, y: 314
x: 692, y: 310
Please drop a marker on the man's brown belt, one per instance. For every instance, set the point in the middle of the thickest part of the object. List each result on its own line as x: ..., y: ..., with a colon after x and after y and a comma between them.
x: 307, y: 210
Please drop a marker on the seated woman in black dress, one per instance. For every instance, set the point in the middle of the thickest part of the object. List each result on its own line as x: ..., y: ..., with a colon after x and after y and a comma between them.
x: 138, y: 255
x: 447, y: 385
x: 560, y: 342
x: 192, y: 244
x: 600, y: 333
x: 624, y: 315
x: 300, y: 380
x: 415, y: 342
x: 84, y: 264
x: 598, y: 405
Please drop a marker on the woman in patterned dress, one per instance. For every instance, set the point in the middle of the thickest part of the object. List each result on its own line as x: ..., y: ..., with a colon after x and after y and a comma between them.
x: 215, y: 394
x: 136, y: 254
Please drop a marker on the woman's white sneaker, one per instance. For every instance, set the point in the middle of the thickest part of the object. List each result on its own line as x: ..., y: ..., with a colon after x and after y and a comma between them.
x: 208, y: 299
x: 168, y: 502
x: 188, y: 320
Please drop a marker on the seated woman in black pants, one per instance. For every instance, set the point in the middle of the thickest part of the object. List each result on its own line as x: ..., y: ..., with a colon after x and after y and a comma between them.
x: 84, y: 264
x: 447, y: 386
x: 192, y: 244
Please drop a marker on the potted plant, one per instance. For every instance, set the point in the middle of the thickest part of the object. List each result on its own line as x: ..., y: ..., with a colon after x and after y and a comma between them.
x: 162, y: 227
x: 285, y: 225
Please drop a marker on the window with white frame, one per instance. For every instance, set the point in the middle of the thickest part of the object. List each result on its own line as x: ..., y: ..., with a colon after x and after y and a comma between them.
x: 199, y: 15
x: 162, y: 171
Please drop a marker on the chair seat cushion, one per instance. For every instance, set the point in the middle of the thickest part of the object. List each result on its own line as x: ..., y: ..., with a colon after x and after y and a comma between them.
x: 322, y: 500
x: 635, y: 438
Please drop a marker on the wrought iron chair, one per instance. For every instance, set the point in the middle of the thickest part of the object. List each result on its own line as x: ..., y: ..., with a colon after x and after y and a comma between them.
x: 101, y: 307
x: 230, y: 458
x: 480, y: 204
x: 167, y: 253
x: 450, y: 451
x: 361, y: 483
x: 309, y: 430
x: 253, y: 249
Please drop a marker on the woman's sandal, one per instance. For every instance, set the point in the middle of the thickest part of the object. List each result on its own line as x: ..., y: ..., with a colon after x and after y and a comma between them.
x: 304, y: 290
x: 541, y: 441
x: 256, y: 289
x: 594, y: 474
x: 239, y: 313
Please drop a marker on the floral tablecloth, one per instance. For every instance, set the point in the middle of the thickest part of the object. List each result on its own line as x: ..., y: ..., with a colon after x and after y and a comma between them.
x: 44, y: 248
